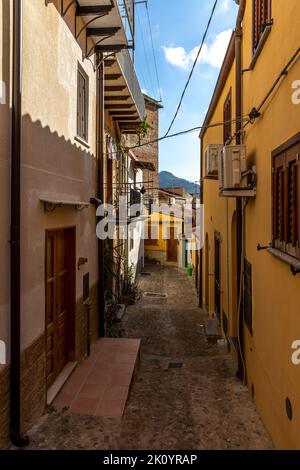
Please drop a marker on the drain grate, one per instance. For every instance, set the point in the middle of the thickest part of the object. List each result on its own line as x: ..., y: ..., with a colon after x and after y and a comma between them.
x: 155, y: 295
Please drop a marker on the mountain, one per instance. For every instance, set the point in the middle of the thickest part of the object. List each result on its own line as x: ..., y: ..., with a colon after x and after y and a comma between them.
x: 168, y: 180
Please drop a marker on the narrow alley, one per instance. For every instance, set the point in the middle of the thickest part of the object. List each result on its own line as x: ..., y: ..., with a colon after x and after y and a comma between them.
x: 184, y: 394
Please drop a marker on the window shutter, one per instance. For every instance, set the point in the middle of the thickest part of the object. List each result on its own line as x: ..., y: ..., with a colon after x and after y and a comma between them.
x: 297, y: 206
x: 255, y: 23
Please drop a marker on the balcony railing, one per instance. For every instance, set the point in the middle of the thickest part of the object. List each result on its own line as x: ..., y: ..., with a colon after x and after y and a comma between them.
x: 126, y: 65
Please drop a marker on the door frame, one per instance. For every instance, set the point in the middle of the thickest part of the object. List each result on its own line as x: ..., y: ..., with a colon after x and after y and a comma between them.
x: 71, y: 327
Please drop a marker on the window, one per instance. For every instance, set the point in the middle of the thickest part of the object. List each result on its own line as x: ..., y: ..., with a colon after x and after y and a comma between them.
x: 227, y: 118
x: 261, y: 19
x: 286, y: 197
x: 82, y: 104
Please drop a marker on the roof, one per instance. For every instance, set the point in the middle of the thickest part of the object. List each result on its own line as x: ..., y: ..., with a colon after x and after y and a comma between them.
x: 170, y: 194
x: 224, y: 72
x: 152, y: 101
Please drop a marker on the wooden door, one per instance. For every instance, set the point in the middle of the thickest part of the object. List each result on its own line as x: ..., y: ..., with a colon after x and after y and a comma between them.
x: 218, y: 277
x: 172, y: 246
x: 60, y: 299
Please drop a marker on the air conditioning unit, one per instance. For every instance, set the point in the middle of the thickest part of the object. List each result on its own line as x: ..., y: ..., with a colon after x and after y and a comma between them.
x: 212, y: 156
x: 232, y: 166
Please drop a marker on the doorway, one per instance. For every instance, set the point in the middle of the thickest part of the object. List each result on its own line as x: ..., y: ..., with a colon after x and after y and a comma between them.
x: 172, y: 254
x: 60, y: 300
x: 218, y: 276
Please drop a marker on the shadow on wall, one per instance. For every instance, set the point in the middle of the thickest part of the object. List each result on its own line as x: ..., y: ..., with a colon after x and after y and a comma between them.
x: 67, y: 10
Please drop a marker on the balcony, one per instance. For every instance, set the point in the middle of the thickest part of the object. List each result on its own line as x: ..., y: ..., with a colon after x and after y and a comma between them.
x: 105, y: 25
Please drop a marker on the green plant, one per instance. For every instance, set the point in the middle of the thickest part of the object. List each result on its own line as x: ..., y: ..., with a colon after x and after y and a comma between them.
x: 113, y: 327
x: 130, y: 291
x: 142, y: 130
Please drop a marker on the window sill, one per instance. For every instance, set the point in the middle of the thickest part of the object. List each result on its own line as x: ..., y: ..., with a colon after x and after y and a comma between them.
x: 82, y: 142
x: 260, y: 46
x: 290, y: 260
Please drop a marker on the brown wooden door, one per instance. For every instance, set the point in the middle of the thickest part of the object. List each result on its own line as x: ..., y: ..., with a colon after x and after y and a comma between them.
x: 60, y: 289
x: 172, y: 246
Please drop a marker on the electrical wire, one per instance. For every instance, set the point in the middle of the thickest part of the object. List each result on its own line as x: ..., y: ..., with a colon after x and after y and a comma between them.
x: 153, y: 53
x: 193, y: 68
x: 146, y: 55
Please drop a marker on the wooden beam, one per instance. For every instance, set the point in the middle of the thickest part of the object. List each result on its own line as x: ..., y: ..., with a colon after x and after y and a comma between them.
x: 122, y: 113
x: 111, y: 47
x: 109, y: 62
x: 125, y: 118
x: 115, y: 87
x: 119, y: 106
x: 102, y: 31
x: 93, y: 10
x: 113, y: 76
x: 117, y: 98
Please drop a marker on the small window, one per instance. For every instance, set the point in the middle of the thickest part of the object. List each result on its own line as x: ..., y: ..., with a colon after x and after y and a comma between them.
x: 286, y: 197
x: 227, y: 118
x: 261, y: 19
x: 82, y: 104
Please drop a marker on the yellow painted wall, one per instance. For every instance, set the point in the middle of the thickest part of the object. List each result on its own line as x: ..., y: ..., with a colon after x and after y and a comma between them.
x: 218, y: 213
x: 276, y: 293
x: 161, y: 219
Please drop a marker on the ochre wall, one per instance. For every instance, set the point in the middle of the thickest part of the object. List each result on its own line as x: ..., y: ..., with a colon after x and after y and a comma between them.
x: 276, y: 292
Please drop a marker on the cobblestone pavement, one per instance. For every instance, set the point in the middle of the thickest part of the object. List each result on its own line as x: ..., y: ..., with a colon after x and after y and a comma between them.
x: 184, y: 395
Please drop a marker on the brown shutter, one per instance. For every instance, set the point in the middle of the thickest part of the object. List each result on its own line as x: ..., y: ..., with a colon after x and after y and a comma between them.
x: 297, y: 207
x: 286, y: 205
x: 255, y: 23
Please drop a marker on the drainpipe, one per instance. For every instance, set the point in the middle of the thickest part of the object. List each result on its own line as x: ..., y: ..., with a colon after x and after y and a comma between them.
x: 17, y: 438
x: 200, y: 304
x: 100, y: 192
x: 239, y: 138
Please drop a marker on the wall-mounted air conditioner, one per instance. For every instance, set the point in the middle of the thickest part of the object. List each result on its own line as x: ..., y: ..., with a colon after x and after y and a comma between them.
x: 233, y: 168
x: 212, y: 155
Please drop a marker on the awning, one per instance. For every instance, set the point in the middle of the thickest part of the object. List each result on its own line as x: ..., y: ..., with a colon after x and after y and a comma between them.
x: 50, y: 204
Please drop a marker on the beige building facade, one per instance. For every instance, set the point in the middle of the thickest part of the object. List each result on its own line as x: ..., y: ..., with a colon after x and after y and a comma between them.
x: 71, y: 97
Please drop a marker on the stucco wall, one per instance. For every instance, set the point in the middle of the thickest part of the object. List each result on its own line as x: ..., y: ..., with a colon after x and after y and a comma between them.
x: 54, y: 165
x: 276, y: 293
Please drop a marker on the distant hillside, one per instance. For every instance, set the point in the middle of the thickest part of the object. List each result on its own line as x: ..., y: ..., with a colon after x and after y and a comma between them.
x: 168, y: 180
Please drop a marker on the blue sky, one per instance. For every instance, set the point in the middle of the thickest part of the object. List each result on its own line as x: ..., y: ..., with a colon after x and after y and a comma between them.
x: 178, y: 27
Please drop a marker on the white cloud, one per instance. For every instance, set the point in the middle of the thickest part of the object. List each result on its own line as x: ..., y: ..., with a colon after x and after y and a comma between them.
x: 224, y: 6
x: 212, y: 54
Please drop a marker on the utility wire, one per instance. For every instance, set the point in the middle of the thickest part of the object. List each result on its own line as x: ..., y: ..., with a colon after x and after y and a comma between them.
x: 153, y: 53
x: 146, y: 55
x: 193, y: 68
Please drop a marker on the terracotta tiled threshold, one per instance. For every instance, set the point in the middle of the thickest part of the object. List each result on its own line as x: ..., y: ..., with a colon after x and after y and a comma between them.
x: 100, y: 385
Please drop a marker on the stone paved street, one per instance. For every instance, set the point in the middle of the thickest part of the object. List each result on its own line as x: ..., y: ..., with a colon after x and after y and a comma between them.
x: 184, y: 395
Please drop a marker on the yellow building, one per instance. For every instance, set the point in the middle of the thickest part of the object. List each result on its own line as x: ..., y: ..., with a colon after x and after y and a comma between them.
x: 251, y: 257
x: 162, y: 233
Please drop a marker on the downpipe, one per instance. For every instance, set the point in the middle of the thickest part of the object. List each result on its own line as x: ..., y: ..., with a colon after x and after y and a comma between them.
x: 17, y: 438
x: 241, y: 373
